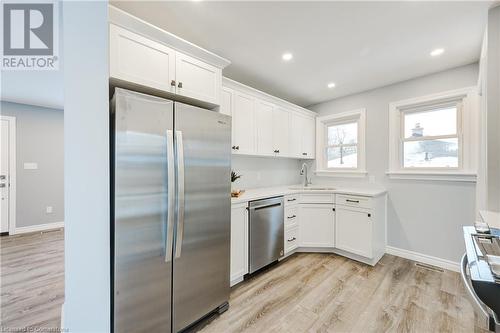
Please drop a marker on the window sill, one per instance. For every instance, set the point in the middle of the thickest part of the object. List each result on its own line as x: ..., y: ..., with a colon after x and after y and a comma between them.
x: 341, y: 173
x: 434, y: 175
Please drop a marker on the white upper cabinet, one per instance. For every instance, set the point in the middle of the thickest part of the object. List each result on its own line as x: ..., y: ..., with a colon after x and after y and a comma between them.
x: 150, y: 63
x: 128, y: 53
x: 244, y: 130
x: 265, y: 128
x: 308, y: 140
x: 295, y: 135
x: 281, y: 123
x: 226, y: 101
x: 197, y: 79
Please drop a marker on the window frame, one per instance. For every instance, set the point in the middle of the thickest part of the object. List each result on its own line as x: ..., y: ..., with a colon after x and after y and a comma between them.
x: 322, y: 123
x: 465, y: 101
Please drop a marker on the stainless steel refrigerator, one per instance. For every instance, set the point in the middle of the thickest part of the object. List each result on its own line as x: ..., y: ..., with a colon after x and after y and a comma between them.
x: 171, y: 208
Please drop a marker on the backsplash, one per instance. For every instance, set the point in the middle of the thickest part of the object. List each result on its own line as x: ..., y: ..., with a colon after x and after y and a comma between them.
x: 265, y: 172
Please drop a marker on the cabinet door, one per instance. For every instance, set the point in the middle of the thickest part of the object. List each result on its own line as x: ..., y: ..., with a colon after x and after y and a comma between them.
x: 197, y: 79
x: 354, y: 231
x: 281, y: 119
x: 239, y: 241
x: 264, y: 114
x: 295, y: 135
x: 308, y: 137
x: 316, y: 225
x: 244, y: 124
x: 226, y: 101
x: 139, y: 60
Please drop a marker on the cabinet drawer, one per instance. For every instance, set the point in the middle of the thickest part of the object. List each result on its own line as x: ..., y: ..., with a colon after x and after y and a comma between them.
x: 291, y: 239
x: 353, y: 201
x: 314, y: 198
x: 291, y: 199
x: 291, y: 216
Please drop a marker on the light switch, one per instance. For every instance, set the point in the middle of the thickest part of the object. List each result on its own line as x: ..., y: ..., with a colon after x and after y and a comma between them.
x: 49, y: 209
x: 30, y: 166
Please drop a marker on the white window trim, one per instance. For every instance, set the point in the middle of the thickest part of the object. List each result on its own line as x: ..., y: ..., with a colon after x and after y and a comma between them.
x: 358, y: 115
x: 468, y: 137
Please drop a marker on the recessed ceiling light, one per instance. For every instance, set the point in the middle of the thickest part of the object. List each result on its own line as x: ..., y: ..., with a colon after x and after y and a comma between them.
x: 287, y: 56
x: 331, y: 85
x: 437, y: 52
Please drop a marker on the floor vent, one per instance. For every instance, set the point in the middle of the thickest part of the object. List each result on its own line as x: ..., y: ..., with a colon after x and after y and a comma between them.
x: 429, y: 267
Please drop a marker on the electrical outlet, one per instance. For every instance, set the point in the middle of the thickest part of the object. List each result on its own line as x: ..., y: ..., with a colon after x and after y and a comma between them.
x: 48, y: 209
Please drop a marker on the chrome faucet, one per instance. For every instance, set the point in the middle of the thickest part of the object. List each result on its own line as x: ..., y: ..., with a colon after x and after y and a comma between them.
x: 304, y: 172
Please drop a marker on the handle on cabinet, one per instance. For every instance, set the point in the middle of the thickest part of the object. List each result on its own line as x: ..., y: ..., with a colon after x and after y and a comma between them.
x: 172, y: 83
x: 277, y: 151
x: 289, y: 200
x: 349, y: 200
x: 291, y: 217
x: 369, y: 215
x: 291, y: 239
x: 305, y: 154
x: 333, y: 209
x: 237, y: 147
x: 179, y: 85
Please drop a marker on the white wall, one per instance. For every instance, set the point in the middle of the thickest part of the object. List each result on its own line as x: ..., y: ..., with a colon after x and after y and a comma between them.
x: 86, y: 161
x: 423, y: 216
x: 39, y: 139
x: 265, y: 172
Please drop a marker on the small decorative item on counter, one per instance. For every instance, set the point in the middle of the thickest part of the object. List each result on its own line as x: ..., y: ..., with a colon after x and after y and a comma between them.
x: 234, y: 191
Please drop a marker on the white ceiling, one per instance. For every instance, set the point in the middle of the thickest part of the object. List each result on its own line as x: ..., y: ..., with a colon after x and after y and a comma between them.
x: 357, y: 45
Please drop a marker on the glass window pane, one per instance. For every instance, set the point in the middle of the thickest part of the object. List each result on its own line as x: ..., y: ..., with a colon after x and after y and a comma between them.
x: 430, y: 123
x: 343, y: 134
x: 342, y: 157
x: 431, y: 154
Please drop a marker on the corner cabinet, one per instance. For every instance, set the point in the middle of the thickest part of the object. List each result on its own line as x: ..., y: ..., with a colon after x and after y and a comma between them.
x: 239, y: 242
x: 150, y: 63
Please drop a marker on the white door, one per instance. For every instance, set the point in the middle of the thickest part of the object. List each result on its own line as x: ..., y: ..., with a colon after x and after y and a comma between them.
x: 316, y: 225
x: 4, y: 175
x: 264, y: 117
x: 239, y: 244
x: 197, y: 79
x: 226, y: 101
x: 308, y: 137
x: 295, y: 135
x: 136, y: 59
x: 353, y: 231
x: 244, y: 124
x: 281, y: 120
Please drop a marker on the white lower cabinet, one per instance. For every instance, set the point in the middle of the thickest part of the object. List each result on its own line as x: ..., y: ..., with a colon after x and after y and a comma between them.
x: 291, y: 239
x: 316, y: 225
x: 353, y: 231
x: 239, y: 242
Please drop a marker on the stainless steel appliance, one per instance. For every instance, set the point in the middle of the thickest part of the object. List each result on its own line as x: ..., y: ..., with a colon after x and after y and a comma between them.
x: 480, y: 276
x: 171, y: 209
x: 266, y: 242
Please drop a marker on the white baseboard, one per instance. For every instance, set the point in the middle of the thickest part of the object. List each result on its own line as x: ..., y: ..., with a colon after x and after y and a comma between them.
x: 38, y: 227
x: 424, y: 258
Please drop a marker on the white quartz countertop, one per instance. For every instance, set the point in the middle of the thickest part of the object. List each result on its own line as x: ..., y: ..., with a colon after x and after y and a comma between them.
x: 267, y: 192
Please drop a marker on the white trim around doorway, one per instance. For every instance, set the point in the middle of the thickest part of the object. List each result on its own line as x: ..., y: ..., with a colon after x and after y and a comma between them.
x: 12, y: 172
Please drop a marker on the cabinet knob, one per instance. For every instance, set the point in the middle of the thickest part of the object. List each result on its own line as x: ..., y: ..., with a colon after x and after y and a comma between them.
x: 237, y: 147
x: 233, y: 147
x: 172, y: 83
x: 305, y: 154
x: 179, y: 85
x: 277, y: 151
x: 369, y: 215
x: 333, y: 209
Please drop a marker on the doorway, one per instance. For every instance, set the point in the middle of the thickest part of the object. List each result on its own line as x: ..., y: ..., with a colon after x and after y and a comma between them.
x: 7, y: 174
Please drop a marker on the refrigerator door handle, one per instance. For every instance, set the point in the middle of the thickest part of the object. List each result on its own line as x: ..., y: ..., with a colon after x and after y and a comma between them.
x: 170, y: 196
x: 180, y: 193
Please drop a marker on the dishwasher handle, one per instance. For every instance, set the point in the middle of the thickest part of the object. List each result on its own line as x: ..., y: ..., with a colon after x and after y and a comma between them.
x: 265, y: 206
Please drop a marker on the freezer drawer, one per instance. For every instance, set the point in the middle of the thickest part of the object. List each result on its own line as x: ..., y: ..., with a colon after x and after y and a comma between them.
x: 266, y: 229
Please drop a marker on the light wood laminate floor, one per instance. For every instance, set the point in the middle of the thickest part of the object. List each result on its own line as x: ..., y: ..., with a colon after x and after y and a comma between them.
x: 31, y: 280
x: 304, y: 293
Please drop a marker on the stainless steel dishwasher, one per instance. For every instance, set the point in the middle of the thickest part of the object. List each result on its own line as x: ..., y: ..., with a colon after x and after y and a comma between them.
x: 266, y: 243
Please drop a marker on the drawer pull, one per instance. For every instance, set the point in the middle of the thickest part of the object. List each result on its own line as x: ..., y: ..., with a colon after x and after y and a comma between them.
x: 291, y: 239
x: 369, y: 215
x: 349, y: 200
x: 289, y: 200
x: 291, y: 217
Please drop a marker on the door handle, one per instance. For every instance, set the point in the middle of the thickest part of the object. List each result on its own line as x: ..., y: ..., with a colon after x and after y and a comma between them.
x: 170, y: 196
x: 180, y: 193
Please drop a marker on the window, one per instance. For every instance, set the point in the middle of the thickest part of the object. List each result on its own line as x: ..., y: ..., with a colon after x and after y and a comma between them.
x: 340, y: 144
x: 434, y: 135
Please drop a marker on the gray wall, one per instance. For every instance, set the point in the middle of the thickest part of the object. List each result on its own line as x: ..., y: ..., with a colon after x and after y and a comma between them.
x: 39, y: 139
x: 86, y: 167
x: 423, y: 216
x: 265, y: 172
